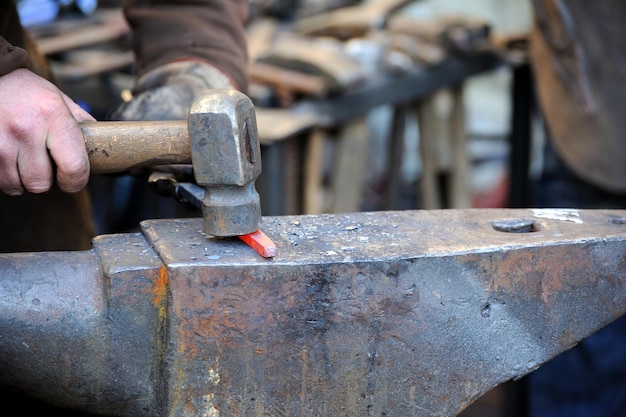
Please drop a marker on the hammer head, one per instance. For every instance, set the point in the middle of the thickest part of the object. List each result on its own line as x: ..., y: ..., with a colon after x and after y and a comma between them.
x: 226, y: 157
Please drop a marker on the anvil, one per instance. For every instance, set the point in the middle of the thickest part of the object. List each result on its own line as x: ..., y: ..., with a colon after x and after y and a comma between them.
x: 399, y: 313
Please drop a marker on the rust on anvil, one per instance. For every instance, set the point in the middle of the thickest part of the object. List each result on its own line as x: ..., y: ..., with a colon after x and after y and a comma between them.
x: 262, y: 244
x: 413, y: 313
x: 407, y: 313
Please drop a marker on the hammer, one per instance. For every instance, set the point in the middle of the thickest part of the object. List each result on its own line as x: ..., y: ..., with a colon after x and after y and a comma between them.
x: 219, y: 139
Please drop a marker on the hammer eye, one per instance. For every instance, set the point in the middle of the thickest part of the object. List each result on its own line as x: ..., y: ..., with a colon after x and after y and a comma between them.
x: 247, y: 140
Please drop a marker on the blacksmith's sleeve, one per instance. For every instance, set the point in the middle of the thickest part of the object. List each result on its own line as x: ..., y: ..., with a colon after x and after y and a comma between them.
x: 208, y: 30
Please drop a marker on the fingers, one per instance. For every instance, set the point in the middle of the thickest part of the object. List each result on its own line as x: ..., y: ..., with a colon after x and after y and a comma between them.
x: 39, y: 131
x: 66, y: 146
x: 34, y: 167
x: 10, y: 182
x: 24, y: 161
x: 77, y: 112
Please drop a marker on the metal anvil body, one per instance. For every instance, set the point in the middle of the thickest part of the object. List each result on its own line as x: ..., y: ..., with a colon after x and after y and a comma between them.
x: 407, y: 313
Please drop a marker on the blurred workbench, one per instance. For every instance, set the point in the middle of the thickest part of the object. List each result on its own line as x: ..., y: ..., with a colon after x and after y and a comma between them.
x: 315, y: 130
x: 84, y: 46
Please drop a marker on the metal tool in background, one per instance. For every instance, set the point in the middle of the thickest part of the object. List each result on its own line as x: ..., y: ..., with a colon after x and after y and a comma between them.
x: 174, y: 184
x: 407, y: 313
x: 220, y: 140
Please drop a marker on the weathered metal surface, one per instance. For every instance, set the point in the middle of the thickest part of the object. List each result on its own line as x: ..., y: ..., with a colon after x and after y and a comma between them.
x: 226, y: 157
x: 84, y: 330
x: 409, y: 313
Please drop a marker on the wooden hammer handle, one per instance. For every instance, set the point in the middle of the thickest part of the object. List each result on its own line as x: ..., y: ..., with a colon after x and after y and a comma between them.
x: 115, y: 147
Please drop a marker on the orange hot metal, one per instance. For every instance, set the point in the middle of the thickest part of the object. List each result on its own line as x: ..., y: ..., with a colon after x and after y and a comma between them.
x: 260, y: 243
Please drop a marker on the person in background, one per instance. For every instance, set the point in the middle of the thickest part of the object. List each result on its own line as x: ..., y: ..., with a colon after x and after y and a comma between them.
x: 578, y: 57
x: 181, y: 48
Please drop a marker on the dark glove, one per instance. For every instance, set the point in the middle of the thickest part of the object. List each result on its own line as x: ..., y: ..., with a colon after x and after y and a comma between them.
x: 166, y: 93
